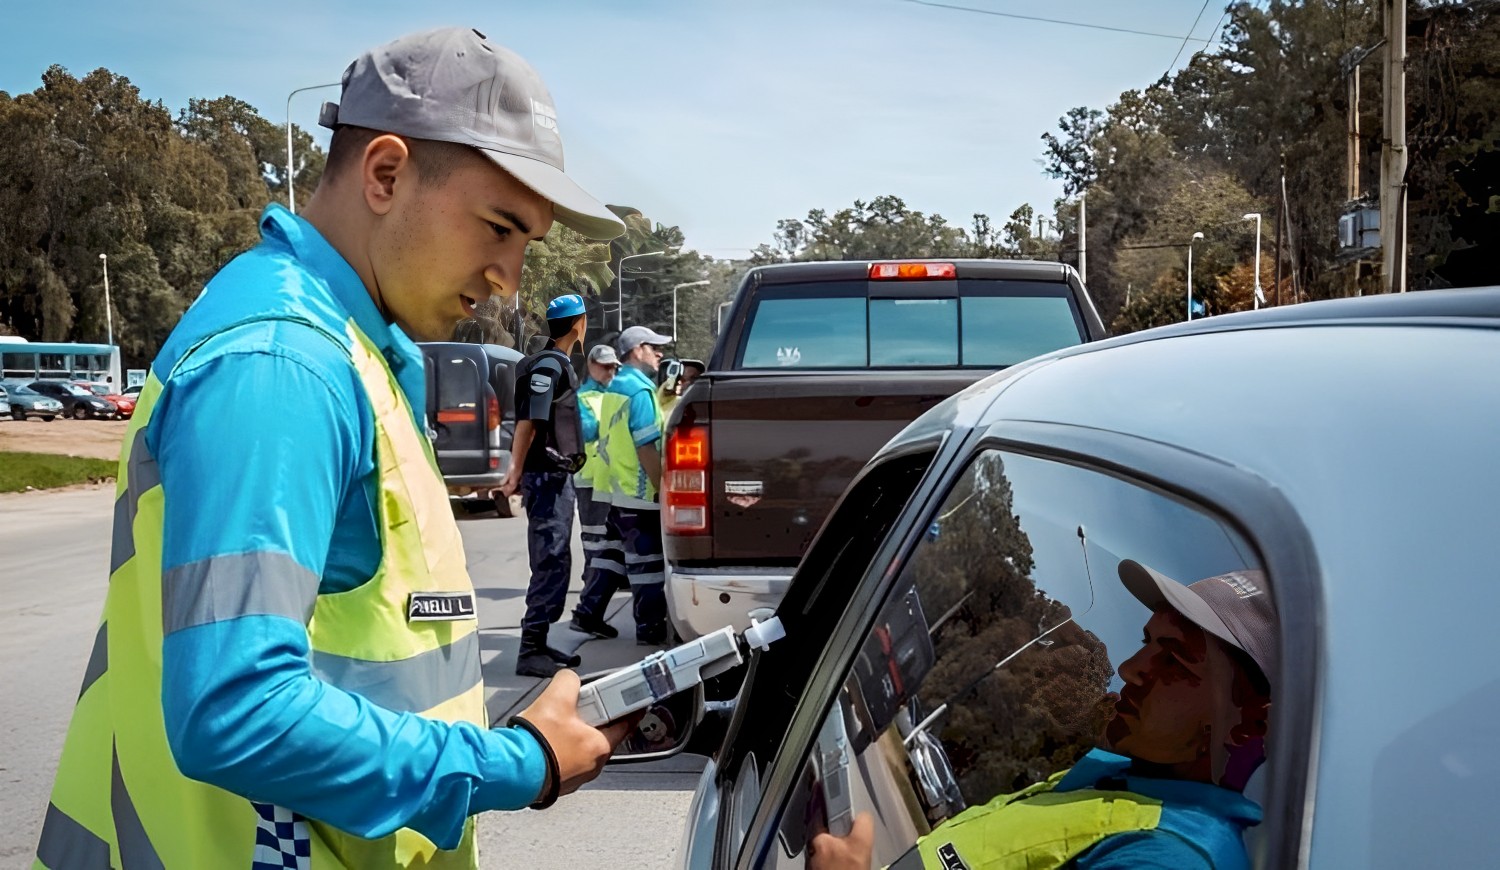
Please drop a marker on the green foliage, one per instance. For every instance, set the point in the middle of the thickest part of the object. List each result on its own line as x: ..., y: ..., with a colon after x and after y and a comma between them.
x: 91, y: 167
x: 18, y: 471
x: 1273, y: 97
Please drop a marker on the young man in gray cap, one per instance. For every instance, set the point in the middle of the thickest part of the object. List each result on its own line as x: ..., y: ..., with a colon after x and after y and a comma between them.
x: 287, y: 670
x: 630, y: 450
x: 1165, y: 789
x: 547, y: 450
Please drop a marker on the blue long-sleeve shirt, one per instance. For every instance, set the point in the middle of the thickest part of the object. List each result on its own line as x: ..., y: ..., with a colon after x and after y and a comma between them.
x: 265, y: 442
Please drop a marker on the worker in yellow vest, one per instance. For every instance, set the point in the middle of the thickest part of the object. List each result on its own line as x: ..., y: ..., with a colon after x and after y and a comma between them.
x: 287, y: 670
x: 603, y: 551
x: 1166, y: 787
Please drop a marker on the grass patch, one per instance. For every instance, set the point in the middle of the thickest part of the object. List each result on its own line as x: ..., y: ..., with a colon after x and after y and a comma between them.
x: 45, y: 470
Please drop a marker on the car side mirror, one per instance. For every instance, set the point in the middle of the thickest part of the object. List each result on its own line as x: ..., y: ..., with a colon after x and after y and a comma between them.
x: 664, y: 730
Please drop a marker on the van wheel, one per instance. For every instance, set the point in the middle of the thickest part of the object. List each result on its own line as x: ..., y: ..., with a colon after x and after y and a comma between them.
x: 17, y: 414
x: 48, y: 418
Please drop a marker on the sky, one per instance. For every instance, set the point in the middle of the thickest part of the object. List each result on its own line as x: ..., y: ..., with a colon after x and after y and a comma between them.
x: 717, y: 117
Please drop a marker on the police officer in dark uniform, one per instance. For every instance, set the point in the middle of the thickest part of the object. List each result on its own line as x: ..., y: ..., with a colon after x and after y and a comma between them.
x: 546, y: 451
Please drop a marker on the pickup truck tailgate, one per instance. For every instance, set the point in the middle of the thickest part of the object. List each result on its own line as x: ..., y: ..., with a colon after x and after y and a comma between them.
x: 767, y: 500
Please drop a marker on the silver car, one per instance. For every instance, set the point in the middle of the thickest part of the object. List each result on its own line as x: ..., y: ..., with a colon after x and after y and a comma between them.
x: 4, y: 403
x: 958, y: 627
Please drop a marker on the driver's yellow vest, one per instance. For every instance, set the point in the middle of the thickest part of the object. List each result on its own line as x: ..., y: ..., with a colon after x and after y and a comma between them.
x: 1032, y: 829
x: 119, y: 799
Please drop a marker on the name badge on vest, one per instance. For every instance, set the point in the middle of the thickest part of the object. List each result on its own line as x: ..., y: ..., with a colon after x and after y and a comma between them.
x: 440, y: 607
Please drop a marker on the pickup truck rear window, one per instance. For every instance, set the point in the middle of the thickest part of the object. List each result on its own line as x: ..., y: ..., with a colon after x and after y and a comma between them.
x: 967, y: 323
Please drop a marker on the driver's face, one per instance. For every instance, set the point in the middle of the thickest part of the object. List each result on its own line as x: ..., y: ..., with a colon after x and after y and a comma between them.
x: 1166, y: 708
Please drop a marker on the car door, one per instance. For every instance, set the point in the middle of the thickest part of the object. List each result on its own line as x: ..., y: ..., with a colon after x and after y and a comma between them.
x: 988, y: 658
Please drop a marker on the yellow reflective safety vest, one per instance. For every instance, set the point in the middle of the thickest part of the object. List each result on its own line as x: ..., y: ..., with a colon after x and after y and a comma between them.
x: 622, y: 481
x: 593, y: 469
x: 119, y: 799
x: 1032, y: 829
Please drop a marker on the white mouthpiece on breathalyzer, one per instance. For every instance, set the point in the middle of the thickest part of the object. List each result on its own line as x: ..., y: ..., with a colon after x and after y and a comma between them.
x: 760, y: 635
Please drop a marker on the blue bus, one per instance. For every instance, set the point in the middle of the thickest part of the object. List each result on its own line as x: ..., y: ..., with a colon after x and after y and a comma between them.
x: 22, y: 360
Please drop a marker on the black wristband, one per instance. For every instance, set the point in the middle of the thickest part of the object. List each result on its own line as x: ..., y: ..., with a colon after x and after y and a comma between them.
x: 554, y: 776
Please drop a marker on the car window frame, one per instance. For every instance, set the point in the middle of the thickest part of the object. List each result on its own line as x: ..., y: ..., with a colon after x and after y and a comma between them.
x: 1246, y: 502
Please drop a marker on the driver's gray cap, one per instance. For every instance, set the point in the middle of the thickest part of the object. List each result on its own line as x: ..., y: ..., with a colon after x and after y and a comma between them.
x: 1235, y: 607
x: 454, y: 85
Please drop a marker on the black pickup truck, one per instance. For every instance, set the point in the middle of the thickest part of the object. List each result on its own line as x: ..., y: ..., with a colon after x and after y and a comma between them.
x: 817, y: 367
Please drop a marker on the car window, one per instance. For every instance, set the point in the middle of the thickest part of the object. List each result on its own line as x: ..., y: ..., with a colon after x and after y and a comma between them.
x: 994, y: 663
x: 1004, y: 330
x: 913, y: 332
x: 824, y: 330
x: 969, y: 323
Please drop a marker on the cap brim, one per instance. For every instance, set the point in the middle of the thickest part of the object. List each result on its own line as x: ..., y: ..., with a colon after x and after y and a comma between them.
x: 571, y: 204
x: 1157, y: 590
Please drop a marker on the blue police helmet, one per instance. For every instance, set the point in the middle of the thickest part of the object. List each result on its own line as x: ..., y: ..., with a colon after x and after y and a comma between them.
x: 570, y: 305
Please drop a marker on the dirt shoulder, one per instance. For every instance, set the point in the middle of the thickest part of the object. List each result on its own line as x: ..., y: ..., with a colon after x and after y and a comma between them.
x: 97, y: 439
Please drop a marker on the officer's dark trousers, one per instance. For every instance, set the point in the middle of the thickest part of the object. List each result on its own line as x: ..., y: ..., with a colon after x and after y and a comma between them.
x: 645, y: 568
x: 603, y: 556
x: 548, y: 497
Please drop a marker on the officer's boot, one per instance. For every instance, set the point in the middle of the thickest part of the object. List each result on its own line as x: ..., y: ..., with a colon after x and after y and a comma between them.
x: 536, y: 659
x: 533, y: 660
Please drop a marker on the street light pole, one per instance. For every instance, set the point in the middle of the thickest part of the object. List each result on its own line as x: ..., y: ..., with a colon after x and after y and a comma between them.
x: 291, y: 196
x: 109, y: 318
x: 1196, y: 236
x: 620, y: 288
x: 1258, y: 295
x: 675, y: 288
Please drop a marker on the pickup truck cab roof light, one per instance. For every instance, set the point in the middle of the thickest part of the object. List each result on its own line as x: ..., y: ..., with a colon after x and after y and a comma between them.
x: 911, y: 271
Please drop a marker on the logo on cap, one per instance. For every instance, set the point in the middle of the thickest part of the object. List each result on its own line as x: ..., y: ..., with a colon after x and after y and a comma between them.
x: 1242, y: 586
x: 543, y: 115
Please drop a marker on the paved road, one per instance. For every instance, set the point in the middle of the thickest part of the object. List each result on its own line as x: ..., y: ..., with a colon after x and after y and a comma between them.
x: 54, y: 557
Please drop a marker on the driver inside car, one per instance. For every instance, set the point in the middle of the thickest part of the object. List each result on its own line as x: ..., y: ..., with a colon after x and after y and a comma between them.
x: 1165, y: 788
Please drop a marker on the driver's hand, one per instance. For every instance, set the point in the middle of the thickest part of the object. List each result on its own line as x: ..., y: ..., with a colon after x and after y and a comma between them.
x: 581, y: 749
x: 853, y: 852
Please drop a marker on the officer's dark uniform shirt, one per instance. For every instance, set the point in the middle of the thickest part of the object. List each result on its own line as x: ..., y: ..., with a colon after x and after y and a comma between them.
x: 546, y: 394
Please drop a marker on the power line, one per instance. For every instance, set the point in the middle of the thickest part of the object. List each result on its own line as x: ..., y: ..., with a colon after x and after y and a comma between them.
x: 1191, y: 30
x: 993, y: 12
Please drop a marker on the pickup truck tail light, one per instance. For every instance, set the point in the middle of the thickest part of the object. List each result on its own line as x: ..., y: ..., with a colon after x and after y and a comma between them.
x: 685, y: 481
x: 911, y: 271
x: 492, y: 420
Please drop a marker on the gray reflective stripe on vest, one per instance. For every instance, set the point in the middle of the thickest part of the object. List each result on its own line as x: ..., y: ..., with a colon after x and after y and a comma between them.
x: 98, y: 659
x: 65, y: 844
x: 136, y: 851
x: 264, y: 583
x: 408, y: 685
x: 142, y: 474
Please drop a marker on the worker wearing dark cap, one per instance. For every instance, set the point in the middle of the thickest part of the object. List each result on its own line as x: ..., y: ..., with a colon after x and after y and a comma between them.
x: 1166, y: 787
x: 546, y: 452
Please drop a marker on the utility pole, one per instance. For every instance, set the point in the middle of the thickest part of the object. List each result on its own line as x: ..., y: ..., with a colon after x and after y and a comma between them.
x: 1393, y: 151
x: 1083, y: 239
x: 1280, y: 217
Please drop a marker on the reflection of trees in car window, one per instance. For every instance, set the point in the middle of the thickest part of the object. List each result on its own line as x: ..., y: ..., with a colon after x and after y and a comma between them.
x: 1045, y: 707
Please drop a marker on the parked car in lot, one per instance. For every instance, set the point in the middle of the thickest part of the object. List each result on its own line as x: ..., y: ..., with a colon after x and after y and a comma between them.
x: 4, y: 403
x: 124, y: 404
x: 818, y: 365
x: 26, y: 402
x: 77, y: 402
x: 956, y: 629
x: 471, y: 417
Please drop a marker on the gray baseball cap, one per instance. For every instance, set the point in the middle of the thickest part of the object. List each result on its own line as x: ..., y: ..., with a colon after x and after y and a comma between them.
x: 604, y: 355
x: 635, y: 336
x: 454, y: 85
x: 1235, y: 607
